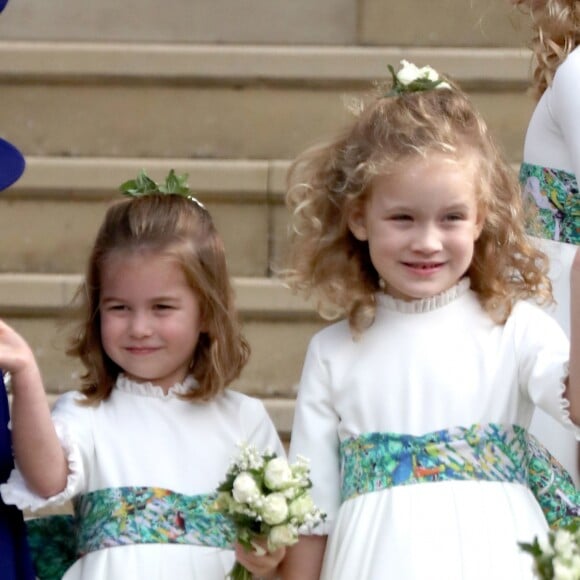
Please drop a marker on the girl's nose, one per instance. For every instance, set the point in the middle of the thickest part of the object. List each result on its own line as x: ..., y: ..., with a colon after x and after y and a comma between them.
x: 427, y: 240
x: 140, y: 325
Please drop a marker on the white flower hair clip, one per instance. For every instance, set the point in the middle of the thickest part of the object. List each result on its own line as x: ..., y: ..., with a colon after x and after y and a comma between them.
x: 412, y: 79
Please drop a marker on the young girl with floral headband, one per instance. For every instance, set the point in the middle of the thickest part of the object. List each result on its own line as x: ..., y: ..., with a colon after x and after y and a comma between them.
x: 551, y: 166
x: 154, y: 428
x: 414, y: 409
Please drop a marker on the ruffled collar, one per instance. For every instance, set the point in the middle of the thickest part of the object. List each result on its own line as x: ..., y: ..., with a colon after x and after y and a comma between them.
x: 424, y: 304
x: 127, y: 385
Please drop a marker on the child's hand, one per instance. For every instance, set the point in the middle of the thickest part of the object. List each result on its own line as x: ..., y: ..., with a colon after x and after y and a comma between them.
x: 15, y: 354
x: 263, y: 566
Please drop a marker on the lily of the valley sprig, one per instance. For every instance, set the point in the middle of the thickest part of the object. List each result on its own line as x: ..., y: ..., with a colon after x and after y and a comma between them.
x: 411, y: 79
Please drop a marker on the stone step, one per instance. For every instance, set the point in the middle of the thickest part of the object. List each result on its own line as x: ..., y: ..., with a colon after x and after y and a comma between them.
x: 51, y: 215
x: 327, y: 22
x: 229, y: 102
x: 277, y: 324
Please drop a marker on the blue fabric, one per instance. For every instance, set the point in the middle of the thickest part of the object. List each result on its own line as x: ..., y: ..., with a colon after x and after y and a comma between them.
x: 15, y: 562
x: 12, y: 162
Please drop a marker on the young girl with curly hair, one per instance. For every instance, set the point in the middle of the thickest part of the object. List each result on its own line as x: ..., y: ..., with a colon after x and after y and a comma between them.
x: 151, y: 434
x: 550, y: 169
x: 414, y: 409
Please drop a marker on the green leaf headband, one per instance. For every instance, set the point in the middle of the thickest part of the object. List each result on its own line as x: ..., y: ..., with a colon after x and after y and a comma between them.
x: 174, y: 184
x: 412, y: 79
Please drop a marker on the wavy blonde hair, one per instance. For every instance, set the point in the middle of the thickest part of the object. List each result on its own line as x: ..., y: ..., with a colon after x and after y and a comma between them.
x: 556, y: 26
x: 327, y: 182
x: 180, y: 228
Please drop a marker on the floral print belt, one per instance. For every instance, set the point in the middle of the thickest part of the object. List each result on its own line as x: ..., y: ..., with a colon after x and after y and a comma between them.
x: 122, y: 516
x: 554, y: 202
x: 147, y: 515
x: 490, y: 452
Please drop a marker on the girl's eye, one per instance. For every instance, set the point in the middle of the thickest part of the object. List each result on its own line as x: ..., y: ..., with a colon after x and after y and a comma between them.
x: 163, y: 307
x: 402, y: 217
x: 116, y: 307
x: 454, y: 217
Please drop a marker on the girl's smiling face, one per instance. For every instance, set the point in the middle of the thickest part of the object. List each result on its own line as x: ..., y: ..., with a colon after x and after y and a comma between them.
x: 421, y: 225
x: 150, y: 317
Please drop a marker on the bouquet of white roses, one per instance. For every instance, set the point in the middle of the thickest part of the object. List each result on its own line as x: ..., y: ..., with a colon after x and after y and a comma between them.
x: 557, y: 557
x: 266, y: 498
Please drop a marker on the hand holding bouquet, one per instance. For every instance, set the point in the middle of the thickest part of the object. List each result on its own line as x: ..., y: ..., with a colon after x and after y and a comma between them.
x: 557, y: 557
x: 267, y: 499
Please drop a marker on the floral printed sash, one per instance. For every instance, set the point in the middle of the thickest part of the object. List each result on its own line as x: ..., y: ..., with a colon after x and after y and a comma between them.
x: 491, y: 452
x: 120, y: 516
x: 554, y: 196
x: 147, y: 515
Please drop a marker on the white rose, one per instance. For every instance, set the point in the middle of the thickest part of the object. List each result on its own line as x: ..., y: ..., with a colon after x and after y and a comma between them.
x: 562, y: 571
x: 411, y: 72
x: 408, y: 73
x: 564, y: 544
x: 428, y: 72
x: 277, y: 474
x: 301, y: 506
x: 245, y: 488
x: 275, y: 509
x: 282, y: 536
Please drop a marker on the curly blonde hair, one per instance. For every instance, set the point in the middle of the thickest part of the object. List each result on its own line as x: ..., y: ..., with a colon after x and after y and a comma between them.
x: 327, y: 182
x: 556, y: 26
x: 174, y: 226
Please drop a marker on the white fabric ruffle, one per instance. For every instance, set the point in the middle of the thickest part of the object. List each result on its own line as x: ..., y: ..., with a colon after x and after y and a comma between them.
x: 16, y: 492
x: 566, y: 420
x: 149, y: 389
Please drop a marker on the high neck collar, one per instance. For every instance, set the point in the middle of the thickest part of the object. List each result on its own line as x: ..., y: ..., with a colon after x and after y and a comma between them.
x: 148, y: 389
x: 424, y: 304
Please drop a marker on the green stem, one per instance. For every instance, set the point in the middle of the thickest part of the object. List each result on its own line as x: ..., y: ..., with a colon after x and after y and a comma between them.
x: 238, y: 572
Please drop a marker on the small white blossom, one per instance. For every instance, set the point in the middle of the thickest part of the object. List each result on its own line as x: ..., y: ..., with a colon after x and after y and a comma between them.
x: 284, y: 535
x: 564, y: 544
x: 408, y: 73
x: 245, y: 489
x: 249, y: 459
x: 275, y: 509
x: 277, y: 474
x: 302, y: 507
x: 562, y: 571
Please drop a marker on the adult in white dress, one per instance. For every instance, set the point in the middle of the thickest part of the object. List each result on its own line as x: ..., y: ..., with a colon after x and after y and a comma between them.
x: 549, y: 174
